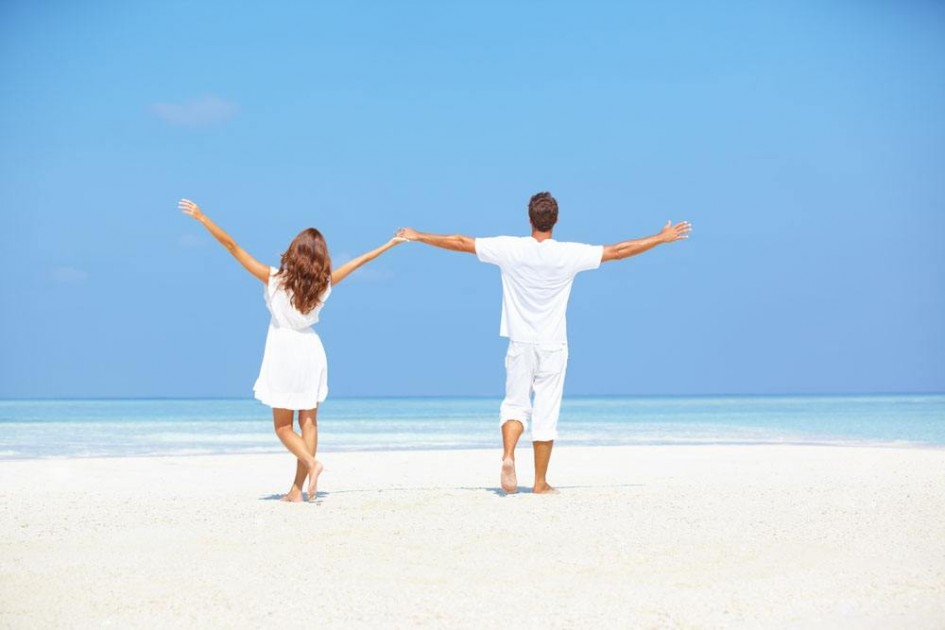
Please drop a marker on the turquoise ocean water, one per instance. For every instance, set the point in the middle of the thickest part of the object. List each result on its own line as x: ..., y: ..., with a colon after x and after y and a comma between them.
x: 92, y: 428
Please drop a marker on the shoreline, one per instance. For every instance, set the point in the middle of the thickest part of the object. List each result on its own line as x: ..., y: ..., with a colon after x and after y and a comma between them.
x: 646, y: 536
x: 559, y: 444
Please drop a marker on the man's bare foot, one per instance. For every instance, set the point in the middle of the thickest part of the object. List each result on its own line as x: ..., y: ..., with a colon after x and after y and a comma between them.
x: 544, y: 488
x: 313, y: 474
x: 509, y: 480
x: 294, y: 496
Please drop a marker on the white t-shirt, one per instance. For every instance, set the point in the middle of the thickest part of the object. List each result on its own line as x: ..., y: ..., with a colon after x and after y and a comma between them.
x: 536, y: 283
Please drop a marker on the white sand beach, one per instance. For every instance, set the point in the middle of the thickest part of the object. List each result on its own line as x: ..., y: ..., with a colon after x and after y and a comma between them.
x: 652, y: 536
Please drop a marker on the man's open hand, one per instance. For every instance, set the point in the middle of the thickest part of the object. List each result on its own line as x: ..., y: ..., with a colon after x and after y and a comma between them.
x: 676, y: 232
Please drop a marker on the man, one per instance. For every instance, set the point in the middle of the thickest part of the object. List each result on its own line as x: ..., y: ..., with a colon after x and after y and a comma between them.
x: 537, y: 272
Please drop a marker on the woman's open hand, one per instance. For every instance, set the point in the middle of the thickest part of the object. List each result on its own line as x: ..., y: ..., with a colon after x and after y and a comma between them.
x: 189, y: 208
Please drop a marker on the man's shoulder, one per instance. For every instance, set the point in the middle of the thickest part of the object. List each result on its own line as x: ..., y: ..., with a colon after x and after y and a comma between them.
x: 501, y: 241
x: 497, y: 249
x: 579, y: 256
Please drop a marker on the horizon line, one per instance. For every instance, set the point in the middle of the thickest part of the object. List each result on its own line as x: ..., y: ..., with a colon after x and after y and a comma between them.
x: 492, y: 397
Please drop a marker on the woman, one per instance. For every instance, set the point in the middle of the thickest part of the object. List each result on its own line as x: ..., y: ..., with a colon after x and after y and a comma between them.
x: 294, y: 372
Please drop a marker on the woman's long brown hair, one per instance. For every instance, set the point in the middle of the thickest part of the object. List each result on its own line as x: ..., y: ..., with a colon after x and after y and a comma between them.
x: 305, y: 270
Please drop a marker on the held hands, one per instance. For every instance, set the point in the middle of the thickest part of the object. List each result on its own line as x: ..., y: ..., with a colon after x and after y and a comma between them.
x: 189, y: 208
x: 407, y: 234
x: 677, y: 232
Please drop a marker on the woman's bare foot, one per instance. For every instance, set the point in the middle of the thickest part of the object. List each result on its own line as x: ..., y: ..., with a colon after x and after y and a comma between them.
x: 313, y: 474
x: 508, y: 479
x: 294, y: 496
x: 544, y: 488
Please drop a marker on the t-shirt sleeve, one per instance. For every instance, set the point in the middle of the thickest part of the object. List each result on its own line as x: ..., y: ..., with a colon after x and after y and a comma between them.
x: 491, y: 250
x: 272, y: 284
x: 585, y: 257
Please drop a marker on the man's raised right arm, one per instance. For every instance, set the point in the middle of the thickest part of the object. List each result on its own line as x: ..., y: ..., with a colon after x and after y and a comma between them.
x: 453, y: 242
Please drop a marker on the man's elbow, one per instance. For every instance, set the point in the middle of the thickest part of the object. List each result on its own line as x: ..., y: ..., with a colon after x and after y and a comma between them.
x: 464, y: 244
x: 611, y: 252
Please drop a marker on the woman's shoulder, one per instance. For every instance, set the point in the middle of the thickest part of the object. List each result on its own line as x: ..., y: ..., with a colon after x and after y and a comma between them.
x: 274, y: 282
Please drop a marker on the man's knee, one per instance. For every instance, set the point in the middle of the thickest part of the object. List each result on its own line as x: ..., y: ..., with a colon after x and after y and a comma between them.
x: 544, y: 430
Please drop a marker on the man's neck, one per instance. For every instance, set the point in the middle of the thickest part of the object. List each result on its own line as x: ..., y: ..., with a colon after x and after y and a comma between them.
x: 541, y: 236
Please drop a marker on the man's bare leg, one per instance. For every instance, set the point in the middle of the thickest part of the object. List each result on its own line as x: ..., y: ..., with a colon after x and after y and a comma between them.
x: 542, y: 457
x: 511, y: 431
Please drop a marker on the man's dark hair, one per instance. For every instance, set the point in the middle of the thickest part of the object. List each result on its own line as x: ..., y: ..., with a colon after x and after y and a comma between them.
x: 543, y: 211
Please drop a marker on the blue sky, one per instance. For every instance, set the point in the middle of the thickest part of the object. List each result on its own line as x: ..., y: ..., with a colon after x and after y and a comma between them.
x: 805, y: 141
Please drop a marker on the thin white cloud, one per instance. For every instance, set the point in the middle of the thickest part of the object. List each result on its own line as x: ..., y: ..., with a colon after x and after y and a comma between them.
x: 190, y: 241
x: 203, y: 112
x: 68, y: 275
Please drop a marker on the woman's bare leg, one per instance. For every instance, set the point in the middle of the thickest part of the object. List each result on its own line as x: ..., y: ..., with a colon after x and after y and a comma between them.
x: 282, y: 422
x: 308, y: 422
x: 294, y: 495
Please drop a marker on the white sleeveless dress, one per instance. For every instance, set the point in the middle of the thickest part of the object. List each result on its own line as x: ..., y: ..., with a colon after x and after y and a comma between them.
x: 294, y: 371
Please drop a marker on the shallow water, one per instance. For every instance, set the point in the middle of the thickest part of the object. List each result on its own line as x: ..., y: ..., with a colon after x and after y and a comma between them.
x: 93, y: 428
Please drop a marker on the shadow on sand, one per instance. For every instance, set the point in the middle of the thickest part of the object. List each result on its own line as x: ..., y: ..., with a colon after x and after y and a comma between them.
x: 496, y: 491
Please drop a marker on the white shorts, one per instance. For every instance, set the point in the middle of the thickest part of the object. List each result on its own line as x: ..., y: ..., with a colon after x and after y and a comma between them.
x: 539, y: 369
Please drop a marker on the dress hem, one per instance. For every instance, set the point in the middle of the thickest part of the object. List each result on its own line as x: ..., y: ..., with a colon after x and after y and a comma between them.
x: 289, y: 401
